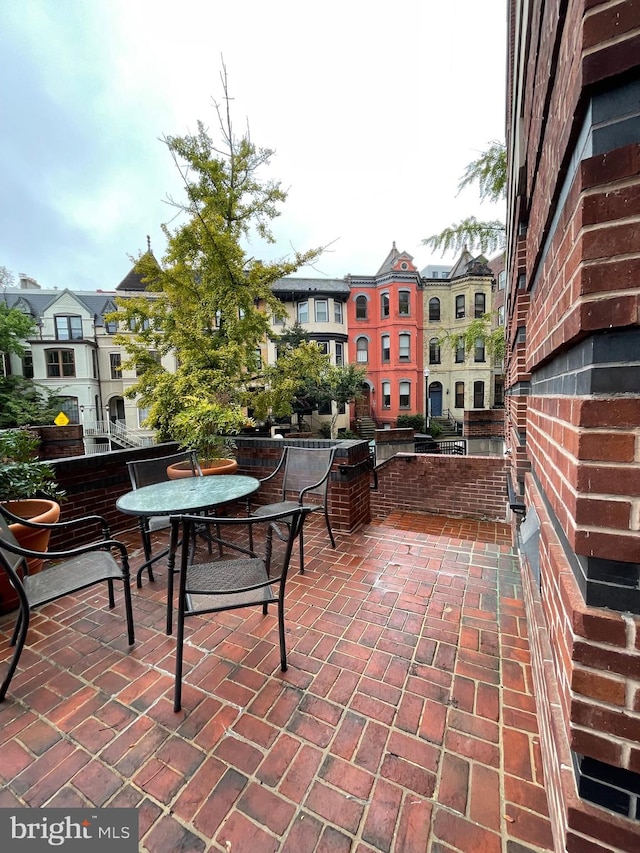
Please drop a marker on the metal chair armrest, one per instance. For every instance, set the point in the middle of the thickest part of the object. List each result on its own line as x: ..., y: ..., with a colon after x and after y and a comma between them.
x: 42, y: 525
x: 103, y: 545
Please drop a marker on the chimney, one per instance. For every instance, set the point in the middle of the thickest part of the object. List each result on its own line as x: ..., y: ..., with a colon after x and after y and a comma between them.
x: 28, y: 283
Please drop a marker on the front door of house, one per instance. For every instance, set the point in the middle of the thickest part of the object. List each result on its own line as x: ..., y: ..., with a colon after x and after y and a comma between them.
x: 363, y: 404
x: 435, y: 399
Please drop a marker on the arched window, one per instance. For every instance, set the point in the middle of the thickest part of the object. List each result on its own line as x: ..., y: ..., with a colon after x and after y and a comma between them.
x: 479, y: 305
x: 384, y: 305
x: 434, y: 351
x: 479, y: 351
x: 460, y: 307
x: 362, y: 350
x: 434, y: 309
x: 478, y: 395
x: 386, y: 348
x: 459, y: 393
x: 361, y: 308
x: 404, y: 341
x: 143, y: 414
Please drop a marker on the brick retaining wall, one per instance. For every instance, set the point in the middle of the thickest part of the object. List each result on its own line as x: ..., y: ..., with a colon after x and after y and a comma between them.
x: 94, y: 483
x: 467, y: 486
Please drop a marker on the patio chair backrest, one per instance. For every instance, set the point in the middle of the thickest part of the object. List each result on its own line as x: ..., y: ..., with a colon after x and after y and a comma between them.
x: 147, y: 472
x: 14, y: 561
x: 306, y: 466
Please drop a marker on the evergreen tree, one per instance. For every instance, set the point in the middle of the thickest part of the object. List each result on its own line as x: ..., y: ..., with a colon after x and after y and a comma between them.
x: 208, y: 302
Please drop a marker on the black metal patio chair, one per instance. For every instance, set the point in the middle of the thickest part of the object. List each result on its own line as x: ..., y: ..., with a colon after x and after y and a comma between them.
x: 148, y: 472
x: 305, y: 474
x: 65, y: 571
x: 236, y: 576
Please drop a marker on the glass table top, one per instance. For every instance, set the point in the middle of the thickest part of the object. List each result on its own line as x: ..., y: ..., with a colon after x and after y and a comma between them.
x: 188, y: 494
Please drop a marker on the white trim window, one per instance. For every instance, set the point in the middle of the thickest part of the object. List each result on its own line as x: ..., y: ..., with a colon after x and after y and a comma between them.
x: 386, y: 348
x: 404, y: 346
x: 321, y: 310
x: 404, y: 394
x: 386, y: 395
x: 404, y: 303
x: 362, y: 350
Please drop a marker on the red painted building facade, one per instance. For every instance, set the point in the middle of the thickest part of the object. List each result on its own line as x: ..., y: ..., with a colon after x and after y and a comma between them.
x: 385, y: 317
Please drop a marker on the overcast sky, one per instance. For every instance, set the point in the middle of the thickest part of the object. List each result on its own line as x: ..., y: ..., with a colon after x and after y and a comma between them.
x: 373, y: 110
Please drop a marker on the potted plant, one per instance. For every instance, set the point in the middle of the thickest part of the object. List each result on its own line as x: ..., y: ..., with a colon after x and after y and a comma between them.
x: 22, y: 478
x: 208, y: 427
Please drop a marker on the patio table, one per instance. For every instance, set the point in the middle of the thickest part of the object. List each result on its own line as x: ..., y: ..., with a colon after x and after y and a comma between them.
x: 186, y: 495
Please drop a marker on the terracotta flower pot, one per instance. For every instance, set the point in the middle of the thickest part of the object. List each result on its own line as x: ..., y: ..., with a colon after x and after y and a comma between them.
x: 33, y: 509
x: 208, y: 467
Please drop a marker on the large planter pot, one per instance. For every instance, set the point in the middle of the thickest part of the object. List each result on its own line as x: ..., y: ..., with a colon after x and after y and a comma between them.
x: 208, y: 467
x: 34, y: 509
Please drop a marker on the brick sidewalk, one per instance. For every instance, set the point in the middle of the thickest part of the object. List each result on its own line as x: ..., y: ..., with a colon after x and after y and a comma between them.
x: 404, y: 723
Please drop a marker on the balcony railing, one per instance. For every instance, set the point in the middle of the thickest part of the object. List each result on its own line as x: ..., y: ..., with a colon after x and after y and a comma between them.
x: 116, y: 431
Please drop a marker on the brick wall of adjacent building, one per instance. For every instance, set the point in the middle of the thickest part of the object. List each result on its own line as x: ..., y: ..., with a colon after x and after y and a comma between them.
x: 573, y: 400
x: 467, y: 486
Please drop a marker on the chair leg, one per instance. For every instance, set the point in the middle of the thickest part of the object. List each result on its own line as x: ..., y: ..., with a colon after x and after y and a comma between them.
x: 19, y: 638
x: 16, y: 628
x: 128, y: 609
x: 328, y: 523
x: 112, y: 599
x: 283, y: 648
x: 301, y: 551
x: 177, y: 690
x: 146, y: 545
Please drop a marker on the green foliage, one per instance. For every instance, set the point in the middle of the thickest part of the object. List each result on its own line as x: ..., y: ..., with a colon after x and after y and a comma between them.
x: 24, y: 402
x: 489, y: 171
x: 21, y: 474
x: 304, y: 378
x: 15, y: 326
x: 207, y: 426
x: 342, y: 385
x: 434, y: 429
x: 294, y: 382
x: 478, y: 329
x: 291, y: 337
x: 348, y: 434
x: 469, y: 233
x: 415, y: 422
x: 208, y: 303
x: 324, y: 430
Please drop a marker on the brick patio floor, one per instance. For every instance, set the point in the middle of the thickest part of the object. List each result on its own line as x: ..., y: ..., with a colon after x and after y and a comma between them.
x: 405, y: 722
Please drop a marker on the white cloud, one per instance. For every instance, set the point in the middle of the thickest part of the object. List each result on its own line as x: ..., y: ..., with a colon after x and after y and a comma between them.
x: 373, y: 112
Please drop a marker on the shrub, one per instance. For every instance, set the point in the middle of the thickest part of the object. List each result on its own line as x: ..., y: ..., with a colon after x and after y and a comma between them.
x: 415, y: 422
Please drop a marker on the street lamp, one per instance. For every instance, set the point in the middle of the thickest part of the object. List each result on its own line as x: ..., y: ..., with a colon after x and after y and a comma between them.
x: 425, y: 373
